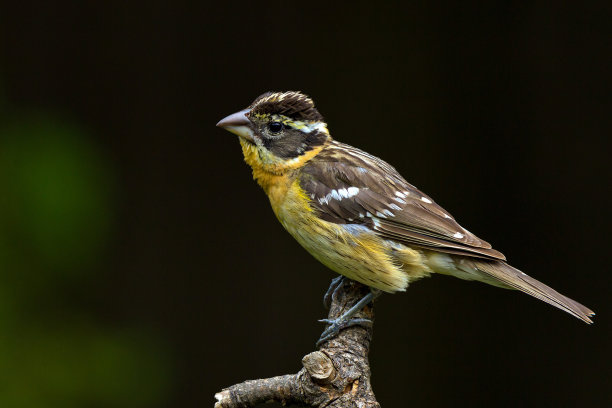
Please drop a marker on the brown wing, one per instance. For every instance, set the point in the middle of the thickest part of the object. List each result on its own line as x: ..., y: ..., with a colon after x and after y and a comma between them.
x: 349, y: 186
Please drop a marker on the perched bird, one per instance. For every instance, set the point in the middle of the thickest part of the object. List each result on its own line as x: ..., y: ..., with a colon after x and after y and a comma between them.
x: 356, y: 214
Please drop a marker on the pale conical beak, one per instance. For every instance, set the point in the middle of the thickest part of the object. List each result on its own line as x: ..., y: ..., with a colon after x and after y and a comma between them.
x: 239, y: 124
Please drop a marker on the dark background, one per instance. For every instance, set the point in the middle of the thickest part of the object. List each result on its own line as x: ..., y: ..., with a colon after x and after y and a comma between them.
x: 140, y: 266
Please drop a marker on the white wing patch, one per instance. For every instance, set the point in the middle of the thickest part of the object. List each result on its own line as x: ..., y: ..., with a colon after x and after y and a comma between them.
x: 339, y: 194
x: 352, y: 191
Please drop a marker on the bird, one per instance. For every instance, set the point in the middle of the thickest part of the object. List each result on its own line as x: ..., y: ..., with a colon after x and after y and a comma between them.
x: 357, y: 215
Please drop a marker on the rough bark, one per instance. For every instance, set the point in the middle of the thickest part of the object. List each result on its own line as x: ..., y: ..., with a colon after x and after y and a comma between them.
x: 337, y: 375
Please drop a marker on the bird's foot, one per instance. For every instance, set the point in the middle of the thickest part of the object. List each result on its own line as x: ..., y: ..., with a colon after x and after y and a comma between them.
x: 335, y: 325
x: 330, y: 295
x: 346, y: 320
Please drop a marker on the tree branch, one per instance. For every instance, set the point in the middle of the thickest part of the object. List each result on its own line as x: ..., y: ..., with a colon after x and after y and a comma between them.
x: 337, y: 375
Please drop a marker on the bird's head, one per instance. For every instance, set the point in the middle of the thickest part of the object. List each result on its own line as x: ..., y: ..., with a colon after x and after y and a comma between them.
x: 278, y: 130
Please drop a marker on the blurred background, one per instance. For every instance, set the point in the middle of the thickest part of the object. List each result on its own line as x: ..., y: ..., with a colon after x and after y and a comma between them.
x: 140, y: 266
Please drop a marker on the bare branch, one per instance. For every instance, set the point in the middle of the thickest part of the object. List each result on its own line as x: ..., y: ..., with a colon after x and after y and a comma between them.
x: 337, y: 375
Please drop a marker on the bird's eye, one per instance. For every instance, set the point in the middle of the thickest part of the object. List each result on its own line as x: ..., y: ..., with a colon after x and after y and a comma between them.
x: 275, y: 127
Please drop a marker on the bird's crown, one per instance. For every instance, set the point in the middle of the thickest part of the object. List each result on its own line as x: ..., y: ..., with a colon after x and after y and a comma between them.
x: 292, y: 105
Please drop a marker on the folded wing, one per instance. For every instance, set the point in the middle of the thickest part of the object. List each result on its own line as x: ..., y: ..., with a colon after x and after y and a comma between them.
x: 349, y: 186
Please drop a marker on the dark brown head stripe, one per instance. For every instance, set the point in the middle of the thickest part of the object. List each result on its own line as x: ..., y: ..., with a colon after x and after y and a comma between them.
x: 294, y: 105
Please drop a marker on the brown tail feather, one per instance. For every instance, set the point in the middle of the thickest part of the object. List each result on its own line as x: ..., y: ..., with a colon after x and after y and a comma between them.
x: 516, y: 279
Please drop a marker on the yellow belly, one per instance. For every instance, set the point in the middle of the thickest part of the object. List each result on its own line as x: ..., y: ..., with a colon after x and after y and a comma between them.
x: 351, y: 250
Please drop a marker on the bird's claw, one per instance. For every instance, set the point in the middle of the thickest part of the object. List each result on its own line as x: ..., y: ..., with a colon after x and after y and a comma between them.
x: 330, y: 295
x: 335, y: 325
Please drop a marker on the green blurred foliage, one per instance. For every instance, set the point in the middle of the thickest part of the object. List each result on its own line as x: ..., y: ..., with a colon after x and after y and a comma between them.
x: 57, y: 193
x: 56, y: 220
